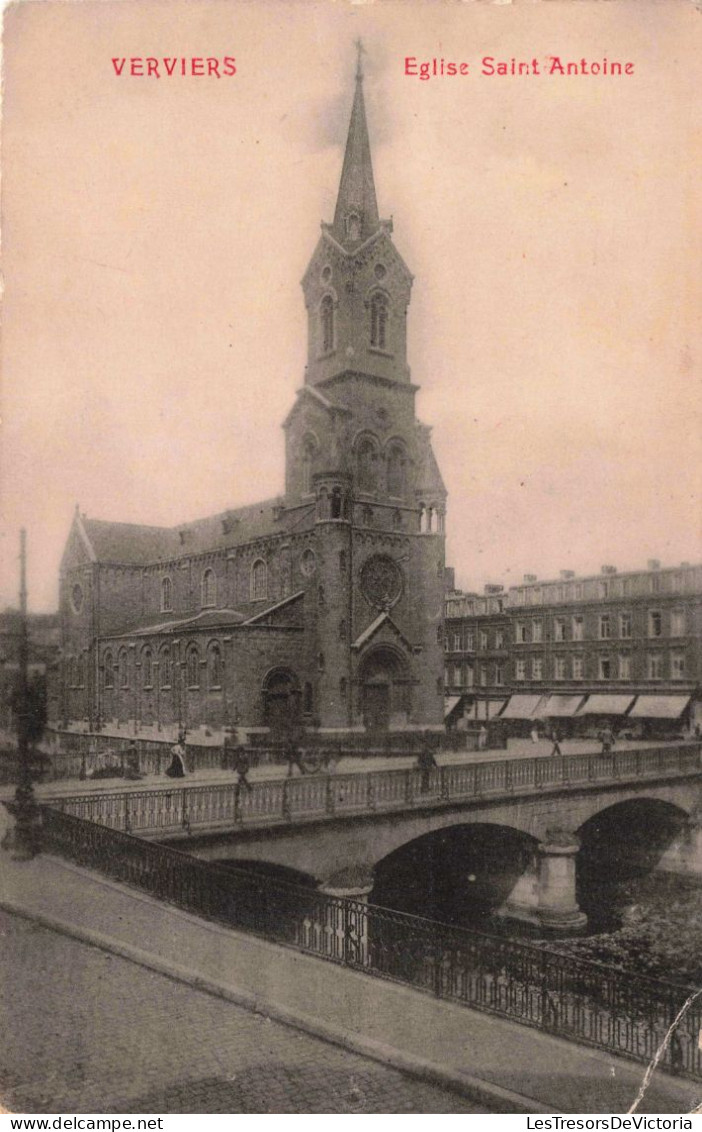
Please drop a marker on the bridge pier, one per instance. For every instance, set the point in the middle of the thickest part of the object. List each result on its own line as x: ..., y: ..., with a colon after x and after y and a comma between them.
x: 347, y: 924
x: 558, y: 908
x: 685, y: 854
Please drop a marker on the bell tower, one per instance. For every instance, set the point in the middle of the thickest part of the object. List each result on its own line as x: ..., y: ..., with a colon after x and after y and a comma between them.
x: 360, y: 467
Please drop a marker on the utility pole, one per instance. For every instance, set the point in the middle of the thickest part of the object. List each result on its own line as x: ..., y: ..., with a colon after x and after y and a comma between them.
x: 23, y: 840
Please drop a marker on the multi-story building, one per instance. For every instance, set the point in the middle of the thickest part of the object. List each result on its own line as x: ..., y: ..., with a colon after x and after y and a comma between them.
x: 476, y: 652
x: 626, y: 647
x: 323, y: 606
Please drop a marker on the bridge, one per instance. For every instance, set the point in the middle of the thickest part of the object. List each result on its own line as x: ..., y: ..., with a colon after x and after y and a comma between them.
x: 534, y: 818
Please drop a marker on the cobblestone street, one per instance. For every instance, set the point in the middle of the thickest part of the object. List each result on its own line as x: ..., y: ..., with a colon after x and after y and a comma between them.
x: 89, y: 1032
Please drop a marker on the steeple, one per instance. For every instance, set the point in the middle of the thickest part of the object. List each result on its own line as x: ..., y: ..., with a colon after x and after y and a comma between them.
x: 356, y: 215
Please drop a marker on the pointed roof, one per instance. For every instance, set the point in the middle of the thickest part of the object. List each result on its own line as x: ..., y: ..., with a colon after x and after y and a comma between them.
x: 357, y: 187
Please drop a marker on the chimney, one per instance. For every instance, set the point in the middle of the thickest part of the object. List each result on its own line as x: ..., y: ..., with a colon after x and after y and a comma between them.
x: 493, y: 589
x: 654, y: 564
x: 608, y: 570
x: 530, y: 578
x: 566, y: 575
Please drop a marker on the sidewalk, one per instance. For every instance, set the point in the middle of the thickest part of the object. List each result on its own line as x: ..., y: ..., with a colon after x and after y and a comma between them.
x: 510, y: 1067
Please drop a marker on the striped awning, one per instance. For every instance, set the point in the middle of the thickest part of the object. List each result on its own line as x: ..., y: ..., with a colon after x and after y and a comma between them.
x: 561, y: 706
x: 521, y: 707
x: 606, y: 705
x: 659, y: 707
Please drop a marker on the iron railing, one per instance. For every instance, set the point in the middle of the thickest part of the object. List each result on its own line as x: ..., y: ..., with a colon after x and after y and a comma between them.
x: 576, y: 999
x: 169, y: 810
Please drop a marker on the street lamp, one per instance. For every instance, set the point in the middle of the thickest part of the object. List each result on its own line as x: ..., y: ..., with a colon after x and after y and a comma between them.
x: 23, y: 840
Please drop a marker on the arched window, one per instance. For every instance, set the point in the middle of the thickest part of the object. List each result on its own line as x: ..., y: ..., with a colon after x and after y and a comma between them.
x: 80, y: 672
x: 166, y: 595
x: 107, y: 665
x: 214, y: 666
x: 164, y: 668
x: 353, y: 226
x: 396, y: 471
x: 379, y: 321
x: 259, y: 580
x: 192, y: 667
x: 147, y: 668
x: 336, y: 502
x: 208, y: 589
x: 326, y: 314
x: 309, y: 453
x: 366, y: 464
x: 123, y: 667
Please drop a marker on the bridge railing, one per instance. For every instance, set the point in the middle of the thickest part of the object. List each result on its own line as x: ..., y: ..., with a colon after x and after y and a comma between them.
x: 576, y: 999
x: 274, y: 801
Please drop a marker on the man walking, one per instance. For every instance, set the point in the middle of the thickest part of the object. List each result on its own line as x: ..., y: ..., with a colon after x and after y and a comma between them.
x: 293, y: 756
x: 242, y: 766
x: 556, y: 737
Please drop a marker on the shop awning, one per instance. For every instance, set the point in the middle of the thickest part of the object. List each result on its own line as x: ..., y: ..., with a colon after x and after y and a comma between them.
x: 561, y: 706
x: 659, y: 707
x: 489, y: 709
x: 450, y: 705
x: 606, y: 705
x: 521, y: 707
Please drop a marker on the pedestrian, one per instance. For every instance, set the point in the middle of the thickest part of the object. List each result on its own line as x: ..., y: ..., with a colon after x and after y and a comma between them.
x: 534, y: 734
x: 556, y: 738
x: 482, y: 738
x: 242, y: 766
x: 293, y: 756
x: 426, y: 763
x: 698, y: 731
x: 176, y: 768
x: 607, y: 739
x: 131, y: 769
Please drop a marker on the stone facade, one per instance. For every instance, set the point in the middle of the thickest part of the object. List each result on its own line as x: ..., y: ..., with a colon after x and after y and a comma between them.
x: 322, y: 607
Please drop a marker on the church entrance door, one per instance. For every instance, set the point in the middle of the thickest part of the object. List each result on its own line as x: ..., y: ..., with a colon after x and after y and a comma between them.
x: 376, y: 707
x: 384, y: 689
x: 281, y: 695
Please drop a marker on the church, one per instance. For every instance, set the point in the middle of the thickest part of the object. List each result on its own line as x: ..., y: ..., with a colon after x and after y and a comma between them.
x: 320, y: 609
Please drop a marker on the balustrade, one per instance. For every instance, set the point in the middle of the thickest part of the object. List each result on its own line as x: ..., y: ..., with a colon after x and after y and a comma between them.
x: 326, y: 796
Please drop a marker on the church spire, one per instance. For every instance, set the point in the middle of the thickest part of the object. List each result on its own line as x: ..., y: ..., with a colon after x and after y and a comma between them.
x: 356, y: 216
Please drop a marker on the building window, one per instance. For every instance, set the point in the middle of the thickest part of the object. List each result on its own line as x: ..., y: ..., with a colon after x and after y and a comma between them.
x: 396, y: 472
x: 602, y: 590
x: 457, y: 675
x: 625, y: 667
x: 537, y: 668
x: 164, y: 668
x: 214, y: 666
x: 483, y: 639
x: 559, y: 629
x: 520, y: 670
x: 655, y: 666
x: 447, y: 677
x: 578, y: 667
x: 123, y: 663
x: 80, y: 672
x: 366, y: 465
x: 147, y: 668
x: 605, y: 627
x: 342, y: 687
x: 379, y: 321
x: 578, y: 628
x: 655, y: 624
x: 559, y: 668
x: 208, y: 589
x: 483, y: 676
x: 469, y: 641
x: 166, y: 595
x: 259, y: 580
x: 192, y: 667
x: 521, y: 633
x: 604, y: 668
x: 326, y: 313
x: 499, y: 675
x: 307, y: 699
x: 108, y: 670
x: 537, y: 631
x: 456, y: 642
x: 677, y: 623
x: 677, y: 666
x: 499, y: 638
x: 309, y: 453
x: 625, y: 626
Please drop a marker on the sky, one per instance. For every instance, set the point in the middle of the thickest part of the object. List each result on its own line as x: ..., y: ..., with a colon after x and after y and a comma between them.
x: 155, y: 232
